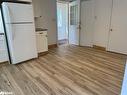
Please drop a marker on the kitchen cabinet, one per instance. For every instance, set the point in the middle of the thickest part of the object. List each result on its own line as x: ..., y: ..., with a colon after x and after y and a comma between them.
x: 42, y: 41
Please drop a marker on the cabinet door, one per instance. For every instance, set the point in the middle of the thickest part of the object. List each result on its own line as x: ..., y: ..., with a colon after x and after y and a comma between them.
x: 42, y: 43
x: 118, y: 33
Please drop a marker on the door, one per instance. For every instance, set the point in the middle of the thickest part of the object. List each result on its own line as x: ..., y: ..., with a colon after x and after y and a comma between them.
x: 118, y: 33
x: 17, y: 13
x: 87, y: 23
x: 74, y: 22
x: 103, y: 10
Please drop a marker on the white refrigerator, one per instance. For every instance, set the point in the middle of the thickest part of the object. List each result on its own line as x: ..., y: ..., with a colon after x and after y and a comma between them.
x: 20, y: 30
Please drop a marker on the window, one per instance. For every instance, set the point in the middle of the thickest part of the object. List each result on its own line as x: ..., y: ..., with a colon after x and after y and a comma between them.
x: 74, y: 15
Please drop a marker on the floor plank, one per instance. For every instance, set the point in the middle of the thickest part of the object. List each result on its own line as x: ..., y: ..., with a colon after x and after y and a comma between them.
x: 67, y: 70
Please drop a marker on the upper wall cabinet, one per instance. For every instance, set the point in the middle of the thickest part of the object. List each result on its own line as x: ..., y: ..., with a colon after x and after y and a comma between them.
x: 118, y: 33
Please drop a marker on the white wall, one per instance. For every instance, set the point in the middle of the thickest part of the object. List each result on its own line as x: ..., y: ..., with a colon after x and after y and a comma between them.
x: 63, y: 29
x: 124, y: 87
x: 47, y: 9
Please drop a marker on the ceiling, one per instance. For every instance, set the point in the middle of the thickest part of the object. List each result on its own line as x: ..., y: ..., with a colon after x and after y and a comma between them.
x: 66, y: 0
x: 57, y: 0
x: 10, y: 1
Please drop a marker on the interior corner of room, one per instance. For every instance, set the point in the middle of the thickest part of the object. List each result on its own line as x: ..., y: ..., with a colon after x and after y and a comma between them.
x: 90, y: 33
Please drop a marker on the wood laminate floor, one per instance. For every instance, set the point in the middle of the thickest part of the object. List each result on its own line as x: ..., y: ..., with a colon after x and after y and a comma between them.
x: 67, y: 70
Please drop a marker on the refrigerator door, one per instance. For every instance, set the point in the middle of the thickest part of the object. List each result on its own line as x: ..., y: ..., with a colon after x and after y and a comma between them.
x: 22, y: 42
x: 17, y: 12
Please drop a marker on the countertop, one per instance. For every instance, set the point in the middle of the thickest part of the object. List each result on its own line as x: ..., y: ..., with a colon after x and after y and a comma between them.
x: 41, y: 29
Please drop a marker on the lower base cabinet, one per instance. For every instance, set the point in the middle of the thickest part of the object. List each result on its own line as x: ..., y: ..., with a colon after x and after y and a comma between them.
x: 42, y: 41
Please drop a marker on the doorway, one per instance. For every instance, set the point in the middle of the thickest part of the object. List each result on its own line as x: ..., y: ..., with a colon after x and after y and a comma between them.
x: 68, y: 22
x: 62, y: 22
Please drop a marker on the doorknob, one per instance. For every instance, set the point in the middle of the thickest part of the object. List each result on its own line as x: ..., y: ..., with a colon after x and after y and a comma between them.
x: 111, y: 29
x: 79, y: 27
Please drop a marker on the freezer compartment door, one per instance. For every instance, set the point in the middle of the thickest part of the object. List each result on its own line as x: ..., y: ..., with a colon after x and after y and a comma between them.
x: 22, y: 42
x: 17, y: 13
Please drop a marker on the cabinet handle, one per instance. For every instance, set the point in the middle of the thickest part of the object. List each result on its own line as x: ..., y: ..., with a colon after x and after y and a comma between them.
x: 40, y: 33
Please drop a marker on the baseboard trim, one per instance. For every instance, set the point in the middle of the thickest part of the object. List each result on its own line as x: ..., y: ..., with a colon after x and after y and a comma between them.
x: 63, y: 41
x: 3, y: 63
x: 42, y: 53
x: 118, y: 53
x: 99, y: 47
x: 52, y: 46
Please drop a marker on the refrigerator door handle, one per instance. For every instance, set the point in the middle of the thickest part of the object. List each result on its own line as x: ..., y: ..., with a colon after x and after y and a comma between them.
x: 10, y: 25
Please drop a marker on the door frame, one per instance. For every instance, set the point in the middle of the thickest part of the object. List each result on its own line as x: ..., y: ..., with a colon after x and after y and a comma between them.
x: 68, y: 21
x: 64, y: 2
